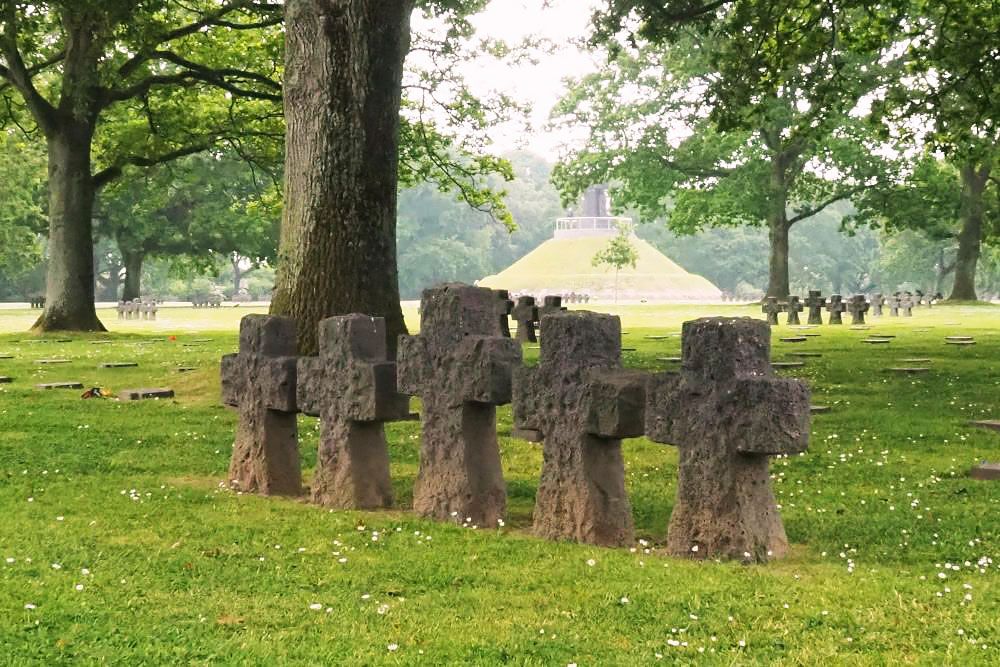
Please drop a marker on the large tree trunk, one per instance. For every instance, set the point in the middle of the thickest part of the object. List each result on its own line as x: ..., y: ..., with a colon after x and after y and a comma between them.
x: 343, y: 77
x: 133, y: 275
x: 970, y: 238
x: 777, y: 221
x: 69, y: 283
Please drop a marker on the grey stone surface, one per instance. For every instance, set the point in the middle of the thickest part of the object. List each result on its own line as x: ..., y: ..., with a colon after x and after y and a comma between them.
x: 504, y: 308
x: 986, y: 471
x: 857, y: 307
x: 582, y: 403
x: 815, y: 303
x: 351, y: 387
x: 145, y: 394
x: 878, y: 302
x: 836, y: 308
x: 772, y: 308
x: 525, y: 313
x: 793, y: 308
x: 261, y: 381
x: 460, y: 365
x: 727, y: 413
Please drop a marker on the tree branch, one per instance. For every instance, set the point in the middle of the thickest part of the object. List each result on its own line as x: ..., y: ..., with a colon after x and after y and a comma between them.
x: 109, y: 174
x: 810, y: 212
x: 20, y: 76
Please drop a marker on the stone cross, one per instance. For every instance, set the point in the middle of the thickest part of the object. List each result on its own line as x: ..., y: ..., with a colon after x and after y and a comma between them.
x: 894, y: 305
x: 906, y: 303
x: 260, y: 381
x: 351, y: 387
x: 727, y: 413
x: 816, y: 303
x: 771, y: 307
x: 581, y: 403
x: 836, y: 307
x: 504, y: 307
x: 878, y: 301
x: 857, y: 306
x: 550, y: 304
x: 461, y: 367
x: 525, y: 313
x: 794, y: 307
x: 121, y: 310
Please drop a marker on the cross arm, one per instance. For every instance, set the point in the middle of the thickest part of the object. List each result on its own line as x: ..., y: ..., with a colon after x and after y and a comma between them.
x: 615, y: 403
x: 277, y: 376
x: 309, y: 385
x: 232, y: 380
x: 412, y: 363
x: 665, y: 396
x: 374, y: 396
x: 486, y: 365
x: 767, y: 415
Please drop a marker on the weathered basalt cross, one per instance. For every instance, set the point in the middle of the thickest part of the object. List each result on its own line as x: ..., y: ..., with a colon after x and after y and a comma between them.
x: 858, y: 306
x: 816, y: 304
x: 461, y: 367
x: 836, y: 308
x: 794, y: 307
x: 727, y: 413
x: 581, y: 403
x: 772, y: 308
x: 260, y: 381
x: 878, y: 302
x: 525, y: 313
x: 351, y: 387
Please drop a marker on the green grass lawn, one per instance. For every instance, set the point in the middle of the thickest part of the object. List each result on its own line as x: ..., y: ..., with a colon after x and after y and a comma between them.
x: 119, y: 544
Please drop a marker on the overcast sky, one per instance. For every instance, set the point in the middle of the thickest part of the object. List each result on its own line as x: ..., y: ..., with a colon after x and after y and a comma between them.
x: 562, y: 22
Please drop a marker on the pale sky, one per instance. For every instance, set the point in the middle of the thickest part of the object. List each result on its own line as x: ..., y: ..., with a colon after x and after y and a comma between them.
x: 562, y: 22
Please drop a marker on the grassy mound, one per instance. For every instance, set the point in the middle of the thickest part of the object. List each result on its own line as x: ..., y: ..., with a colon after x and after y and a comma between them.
x: 120, y: 544
x: 560, y: 266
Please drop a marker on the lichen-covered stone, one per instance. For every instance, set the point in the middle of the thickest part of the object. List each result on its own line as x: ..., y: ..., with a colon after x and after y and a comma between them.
x: 581, y: 403
x: 794, y: 307
x: 260, y: 381
x: 351, y: 387
x: 815, y: 302
x: 727, y: 413
x: 857, y: 307
x: 836, y: 308
x: 460, y: 365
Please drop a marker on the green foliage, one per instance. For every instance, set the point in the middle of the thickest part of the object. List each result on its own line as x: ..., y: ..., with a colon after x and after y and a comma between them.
x: 618, y: 253
x: 22, y: 206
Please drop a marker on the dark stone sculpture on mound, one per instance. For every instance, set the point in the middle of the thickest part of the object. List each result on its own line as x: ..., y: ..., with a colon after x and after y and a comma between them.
x: 460, y: 365
x: 727, y: 413
x: 581, y: 403
x: 351, y: 386
x: 260, y: 381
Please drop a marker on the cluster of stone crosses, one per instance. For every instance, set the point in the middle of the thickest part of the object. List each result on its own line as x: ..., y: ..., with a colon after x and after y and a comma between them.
x: 37, y: 302
x: 135, y: 309
x: 207, y: 301
x: 857, y: 305
x: 725, y: 410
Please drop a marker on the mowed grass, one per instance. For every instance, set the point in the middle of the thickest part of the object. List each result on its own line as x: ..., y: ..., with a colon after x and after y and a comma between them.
x: 119, y: 543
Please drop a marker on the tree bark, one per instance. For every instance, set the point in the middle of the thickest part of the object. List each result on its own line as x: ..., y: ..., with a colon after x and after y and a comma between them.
x: 69, y: 282
x: 777, y: 223
x: 133, y: 275
x: 974, y: 178
x: 343, y: 79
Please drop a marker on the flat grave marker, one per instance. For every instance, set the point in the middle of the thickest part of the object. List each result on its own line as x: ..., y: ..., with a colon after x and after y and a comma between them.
x: 819, y: 409
x: 877, y: 341
x: 909, y: 370
x: 119, y: 364
x: 805, y: 355
x: 49, y: 362
x: 986, y: 471
x: 991, y: 424
x: 5, y: 379
x: 145, y: 394
x: 793, y: 339
x: 60, y: 385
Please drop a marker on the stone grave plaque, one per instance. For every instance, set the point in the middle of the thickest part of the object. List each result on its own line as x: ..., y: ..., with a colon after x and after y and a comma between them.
x: 794, y: 339
x: 145, y: 394
x: 60, y: 385
x: 986, y: 471
x: 119, y: 364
